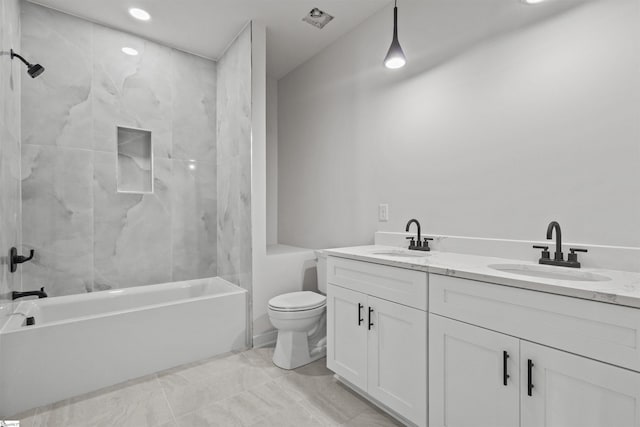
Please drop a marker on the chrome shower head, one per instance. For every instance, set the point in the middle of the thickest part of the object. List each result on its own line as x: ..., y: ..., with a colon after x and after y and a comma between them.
x: 34, y: 70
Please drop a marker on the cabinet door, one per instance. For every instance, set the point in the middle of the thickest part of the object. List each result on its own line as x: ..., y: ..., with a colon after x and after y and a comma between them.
x: 467, y: 384
x: 347, y: 334
x: 398, y: 358
x: 570, y: 390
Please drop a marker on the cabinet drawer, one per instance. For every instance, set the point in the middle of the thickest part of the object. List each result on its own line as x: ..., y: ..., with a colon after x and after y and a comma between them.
x: 601, y: 331
x: 400, y: 285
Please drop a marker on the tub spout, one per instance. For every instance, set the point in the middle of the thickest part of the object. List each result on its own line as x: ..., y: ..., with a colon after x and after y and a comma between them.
x: 40, y: 294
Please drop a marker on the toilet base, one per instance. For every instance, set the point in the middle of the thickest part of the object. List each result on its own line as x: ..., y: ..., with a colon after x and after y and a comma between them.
x: 292, y: 350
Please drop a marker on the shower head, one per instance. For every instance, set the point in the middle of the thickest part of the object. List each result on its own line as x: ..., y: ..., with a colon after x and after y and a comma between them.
x: 34, y: 70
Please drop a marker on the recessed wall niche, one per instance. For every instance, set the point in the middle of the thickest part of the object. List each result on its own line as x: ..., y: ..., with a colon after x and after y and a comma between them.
x: 135, y: 161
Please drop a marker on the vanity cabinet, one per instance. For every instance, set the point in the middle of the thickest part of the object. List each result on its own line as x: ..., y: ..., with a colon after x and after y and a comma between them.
x: 545, y: 386
x: 347, y: 335
x: 498, y: 356
x: 482, y: 378
x: 574, y: 391
x: 474, y: 377
x: 378, y: 344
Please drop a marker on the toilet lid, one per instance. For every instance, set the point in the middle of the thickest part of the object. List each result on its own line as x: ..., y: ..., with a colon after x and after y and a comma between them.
x: 296, y: 301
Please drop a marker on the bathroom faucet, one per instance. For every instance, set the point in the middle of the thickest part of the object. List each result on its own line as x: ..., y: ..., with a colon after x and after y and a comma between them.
x: 553, y: 225
x: 40, y: 294
x: 417, y: 223
x: 417, y: 245
x: 558, y: 256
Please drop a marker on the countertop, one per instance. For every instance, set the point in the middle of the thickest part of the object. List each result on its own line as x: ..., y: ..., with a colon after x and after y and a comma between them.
x: 623, y: 288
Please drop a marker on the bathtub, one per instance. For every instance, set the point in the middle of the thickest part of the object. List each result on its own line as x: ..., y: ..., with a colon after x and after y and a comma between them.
x: 80, y: 343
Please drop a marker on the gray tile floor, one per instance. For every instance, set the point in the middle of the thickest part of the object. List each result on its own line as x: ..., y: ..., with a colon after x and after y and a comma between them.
x: 242, y: 389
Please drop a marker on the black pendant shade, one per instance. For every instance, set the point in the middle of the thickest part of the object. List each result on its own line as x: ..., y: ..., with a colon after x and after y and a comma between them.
x: 395, y: 57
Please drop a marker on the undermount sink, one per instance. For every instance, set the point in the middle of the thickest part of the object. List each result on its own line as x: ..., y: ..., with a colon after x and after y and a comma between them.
x: 558, y: 273
x: 401, y: 253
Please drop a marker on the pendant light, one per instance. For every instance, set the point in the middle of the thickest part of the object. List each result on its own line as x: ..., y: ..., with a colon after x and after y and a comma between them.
x: 395, y: 57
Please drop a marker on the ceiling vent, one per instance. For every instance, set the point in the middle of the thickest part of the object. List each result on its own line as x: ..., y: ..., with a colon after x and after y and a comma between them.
x: 317, y: 18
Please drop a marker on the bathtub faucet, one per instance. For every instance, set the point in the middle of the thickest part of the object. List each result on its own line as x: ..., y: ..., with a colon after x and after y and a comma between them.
x: 40, y: 294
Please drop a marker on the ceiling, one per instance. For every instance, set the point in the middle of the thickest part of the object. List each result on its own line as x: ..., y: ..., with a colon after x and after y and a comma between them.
x: 206, y: 27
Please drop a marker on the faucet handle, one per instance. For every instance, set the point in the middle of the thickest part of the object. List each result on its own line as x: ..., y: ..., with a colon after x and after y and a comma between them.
x: 545, y: 251
x: 573, y: 256
x: 412, y: 243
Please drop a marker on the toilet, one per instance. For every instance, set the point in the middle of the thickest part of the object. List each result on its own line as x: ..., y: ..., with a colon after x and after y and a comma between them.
x: 300, y: 318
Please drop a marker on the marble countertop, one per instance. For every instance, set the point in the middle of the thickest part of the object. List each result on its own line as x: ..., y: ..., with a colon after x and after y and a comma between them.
x: 622, y: 289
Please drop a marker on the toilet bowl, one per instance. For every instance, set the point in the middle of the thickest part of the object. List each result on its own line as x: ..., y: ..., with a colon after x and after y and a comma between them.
x: 300, y: 318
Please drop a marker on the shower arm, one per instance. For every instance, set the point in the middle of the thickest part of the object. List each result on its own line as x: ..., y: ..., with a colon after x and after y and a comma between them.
x: 15, y: 55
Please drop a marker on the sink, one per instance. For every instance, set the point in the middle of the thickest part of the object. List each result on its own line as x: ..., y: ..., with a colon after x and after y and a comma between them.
x: 401, y: 253
x: 558, y: 273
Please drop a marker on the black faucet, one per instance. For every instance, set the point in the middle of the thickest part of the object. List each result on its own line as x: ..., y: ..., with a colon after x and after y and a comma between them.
x: 417, y: 245
x: 558, y: 256
x: 40, y: 294
x: 417, y: 223
x: 15, y: 259
x: 553, y: 225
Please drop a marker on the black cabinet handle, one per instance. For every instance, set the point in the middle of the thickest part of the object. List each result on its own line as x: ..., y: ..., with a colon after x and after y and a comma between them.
x: 360, y: 319
x: 529, y: 380
x: 505, y: 375
x: 370, y: 323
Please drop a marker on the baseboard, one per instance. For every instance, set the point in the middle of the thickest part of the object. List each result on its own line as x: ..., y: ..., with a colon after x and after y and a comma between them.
x: 265, y: 339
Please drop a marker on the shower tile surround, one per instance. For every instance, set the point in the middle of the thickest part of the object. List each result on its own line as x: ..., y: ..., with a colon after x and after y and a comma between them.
x: 87, y: 236
x: 10, y: 76
x: 234, y: 162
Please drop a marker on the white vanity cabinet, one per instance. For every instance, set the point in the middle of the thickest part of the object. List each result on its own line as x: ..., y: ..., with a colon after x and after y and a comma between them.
x: 474, y: 377
x: 574, y: 391
x: 347, y: 335
x: 474, y: 325
x: 377, y: 333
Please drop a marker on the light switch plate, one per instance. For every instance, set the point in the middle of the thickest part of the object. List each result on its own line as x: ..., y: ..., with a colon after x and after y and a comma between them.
x: 383, y: 212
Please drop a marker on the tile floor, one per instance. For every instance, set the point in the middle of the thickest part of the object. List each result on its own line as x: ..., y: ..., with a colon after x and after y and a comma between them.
x: 241, y: 389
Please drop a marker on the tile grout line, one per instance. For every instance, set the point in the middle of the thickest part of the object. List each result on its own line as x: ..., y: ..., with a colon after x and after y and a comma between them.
x: 311, y: 415
x: 166, y: 399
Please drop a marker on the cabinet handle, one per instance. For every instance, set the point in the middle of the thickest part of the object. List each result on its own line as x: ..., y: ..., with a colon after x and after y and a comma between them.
x: 529, y: 380
x: 370, y: 323
x: 505, y: 375
x: 360, y: 319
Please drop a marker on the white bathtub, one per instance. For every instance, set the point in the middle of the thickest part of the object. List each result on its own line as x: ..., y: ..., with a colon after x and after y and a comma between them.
x: 81, y: 343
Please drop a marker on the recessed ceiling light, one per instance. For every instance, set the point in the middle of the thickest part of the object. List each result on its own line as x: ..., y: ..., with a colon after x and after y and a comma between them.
x: 130, y: 51
x: 533, y: 1
x: 140, y: 14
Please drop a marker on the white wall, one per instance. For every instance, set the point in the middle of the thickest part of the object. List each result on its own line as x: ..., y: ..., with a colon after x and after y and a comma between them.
x: 493, y: 129
x: 272, y: 161
x: 276, y: 269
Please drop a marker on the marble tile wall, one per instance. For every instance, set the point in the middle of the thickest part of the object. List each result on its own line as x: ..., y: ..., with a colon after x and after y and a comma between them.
x: 234, y: 162
x: 87, y: 236
x: 10, y: 76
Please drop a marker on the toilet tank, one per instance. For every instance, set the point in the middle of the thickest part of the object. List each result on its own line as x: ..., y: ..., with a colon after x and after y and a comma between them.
x: 322, y: 271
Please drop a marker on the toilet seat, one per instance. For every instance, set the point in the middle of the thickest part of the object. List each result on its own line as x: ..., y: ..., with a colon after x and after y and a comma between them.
x: 297, y: 301
x: 296, y: 315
